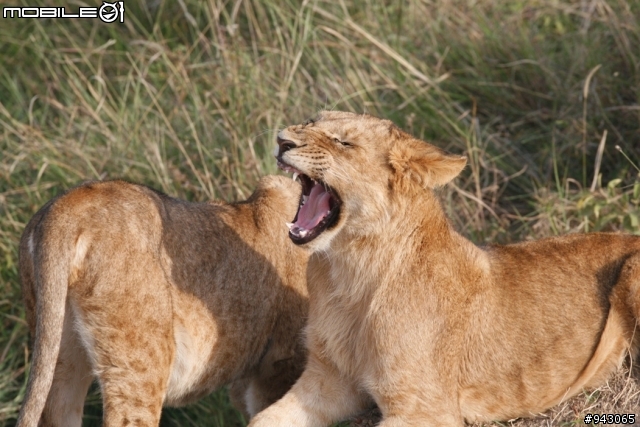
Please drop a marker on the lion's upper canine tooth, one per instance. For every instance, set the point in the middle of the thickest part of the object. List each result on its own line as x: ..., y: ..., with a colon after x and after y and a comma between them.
x: 295, y: 176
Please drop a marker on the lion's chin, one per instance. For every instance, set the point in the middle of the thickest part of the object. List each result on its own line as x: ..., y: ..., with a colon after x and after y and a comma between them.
x: 318, y: 210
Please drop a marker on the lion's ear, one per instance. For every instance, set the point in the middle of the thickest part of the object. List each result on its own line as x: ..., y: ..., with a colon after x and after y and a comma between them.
x: 424, y: 164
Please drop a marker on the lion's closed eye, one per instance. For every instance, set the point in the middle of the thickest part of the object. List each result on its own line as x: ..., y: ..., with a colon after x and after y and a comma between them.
x: 342, y: 142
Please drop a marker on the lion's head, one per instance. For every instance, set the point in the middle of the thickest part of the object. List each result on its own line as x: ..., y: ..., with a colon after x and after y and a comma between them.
x: 351, y: 167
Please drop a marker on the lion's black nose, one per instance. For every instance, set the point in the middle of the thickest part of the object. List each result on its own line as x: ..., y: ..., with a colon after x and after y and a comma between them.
x: 285, y: 145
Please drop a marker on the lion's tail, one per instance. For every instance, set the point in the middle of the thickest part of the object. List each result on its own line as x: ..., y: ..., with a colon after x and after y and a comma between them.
x: 46, y: 262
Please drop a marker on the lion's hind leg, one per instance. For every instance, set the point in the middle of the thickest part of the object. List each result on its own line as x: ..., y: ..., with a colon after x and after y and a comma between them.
x: 131, y: 344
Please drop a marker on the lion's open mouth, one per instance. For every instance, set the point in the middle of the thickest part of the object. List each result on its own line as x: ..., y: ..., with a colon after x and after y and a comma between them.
x: 318, y: 210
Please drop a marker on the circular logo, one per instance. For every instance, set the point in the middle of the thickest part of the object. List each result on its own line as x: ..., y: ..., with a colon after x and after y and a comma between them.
x: 108, y: 12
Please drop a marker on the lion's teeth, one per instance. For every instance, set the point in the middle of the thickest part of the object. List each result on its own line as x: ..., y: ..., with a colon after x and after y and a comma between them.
x: 295, y: 176
x: 303, y: 232
x: 304, y: 199
x: 289, y: 224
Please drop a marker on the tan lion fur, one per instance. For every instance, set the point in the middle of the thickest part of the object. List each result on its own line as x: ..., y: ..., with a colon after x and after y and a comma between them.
x: 162, y: 300
x: 407, y: 313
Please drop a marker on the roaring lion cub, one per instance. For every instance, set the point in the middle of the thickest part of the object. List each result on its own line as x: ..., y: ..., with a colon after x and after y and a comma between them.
x: 162, y: 300
x: 407, y: 312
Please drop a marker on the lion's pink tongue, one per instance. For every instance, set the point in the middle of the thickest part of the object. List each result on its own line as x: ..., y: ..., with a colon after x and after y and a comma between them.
x: 316, y: 208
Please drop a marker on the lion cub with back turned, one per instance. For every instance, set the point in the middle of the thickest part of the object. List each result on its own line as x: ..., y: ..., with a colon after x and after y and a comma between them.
x: 406, y: 312
x: 162, y: 300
